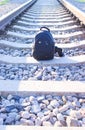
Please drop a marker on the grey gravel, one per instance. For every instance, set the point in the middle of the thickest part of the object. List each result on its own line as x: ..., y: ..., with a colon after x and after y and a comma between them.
x: 45, y: 73
x: 33, y: 114
x: 28, y: 52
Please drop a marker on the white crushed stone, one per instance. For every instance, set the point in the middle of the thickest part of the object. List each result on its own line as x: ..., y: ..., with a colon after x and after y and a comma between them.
x: 44, y: 73
x: 33, y: 114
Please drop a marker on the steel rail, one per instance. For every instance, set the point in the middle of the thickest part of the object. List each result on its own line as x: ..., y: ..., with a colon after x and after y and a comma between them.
x: 77, y: 12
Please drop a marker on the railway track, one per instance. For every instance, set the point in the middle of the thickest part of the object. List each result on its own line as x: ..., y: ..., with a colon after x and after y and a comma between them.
x: 42, y: 81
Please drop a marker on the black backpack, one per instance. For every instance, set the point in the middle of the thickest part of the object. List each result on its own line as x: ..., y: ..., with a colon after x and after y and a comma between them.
x: 44, y: 46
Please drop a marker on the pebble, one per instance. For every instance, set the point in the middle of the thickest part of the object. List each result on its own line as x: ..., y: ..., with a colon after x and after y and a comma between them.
x: 9, y: 97
x: 54, y: 103
x: 72, y: 122
x: 38, y: 121
x: 76, y: 114
x: 25, y: 114
x: 55, y: 111
x: 35, y: 108
x: 40, y: 114
x: 9, y: 120
x: 45, y: 118
x: 64, y: 108
x: 60, y: 117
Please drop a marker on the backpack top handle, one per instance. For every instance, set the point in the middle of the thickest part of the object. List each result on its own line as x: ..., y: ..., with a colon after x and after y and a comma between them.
x: 45, y: 28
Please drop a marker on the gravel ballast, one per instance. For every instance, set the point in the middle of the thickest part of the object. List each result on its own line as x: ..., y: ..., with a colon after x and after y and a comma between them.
x: 42, y: 110
x: 74, y: 72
